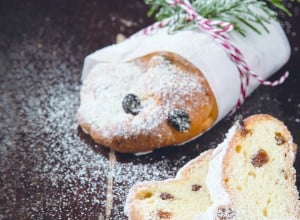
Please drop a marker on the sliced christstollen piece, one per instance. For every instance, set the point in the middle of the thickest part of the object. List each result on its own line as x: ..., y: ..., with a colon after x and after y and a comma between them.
x: 248, y: 176
x: 177, y: 199
x: 257, y: 175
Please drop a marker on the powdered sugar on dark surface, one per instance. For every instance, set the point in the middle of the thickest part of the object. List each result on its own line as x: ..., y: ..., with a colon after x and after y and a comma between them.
x: 49, y: 168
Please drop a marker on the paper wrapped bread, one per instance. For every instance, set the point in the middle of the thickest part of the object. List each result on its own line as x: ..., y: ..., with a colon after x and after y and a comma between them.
x: 163, y: 89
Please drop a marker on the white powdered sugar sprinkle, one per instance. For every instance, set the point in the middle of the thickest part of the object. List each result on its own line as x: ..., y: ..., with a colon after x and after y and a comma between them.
x: 161, y: 88
x: 217, y: 192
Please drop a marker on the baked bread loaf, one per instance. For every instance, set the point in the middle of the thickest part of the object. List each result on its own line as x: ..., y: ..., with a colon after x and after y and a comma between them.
x: 257, y: 175
x: 157, y: 100
x: 248, y: 176
x: 179, y: 198
x: 163, y: 89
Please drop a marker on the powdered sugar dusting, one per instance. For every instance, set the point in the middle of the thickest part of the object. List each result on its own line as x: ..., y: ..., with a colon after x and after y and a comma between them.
x: 49, y: 169
x: 214, y: 178
x: 109, y: 194
x: 161, y: 88
x: 141, y: 171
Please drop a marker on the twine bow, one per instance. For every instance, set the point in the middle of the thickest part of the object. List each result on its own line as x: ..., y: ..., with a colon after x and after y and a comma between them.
x: 218, y: 30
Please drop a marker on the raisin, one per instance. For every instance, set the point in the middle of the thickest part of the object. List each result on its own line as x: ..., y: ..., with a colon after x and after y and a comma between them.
x: 196, y: 187
x: 284, y: 174
x: 131, y: 104
x: 225, y: 213
x: 280, y: 140
x: 164, y: 215
x: 259, y: 158
x: 179, y: 120
x: 166, y: 196
x: 244, y: 131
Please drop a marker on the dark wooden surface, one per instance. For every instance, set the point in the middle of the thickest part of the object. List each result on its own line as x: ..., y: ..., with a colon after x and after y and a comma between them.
x: 49, y: 169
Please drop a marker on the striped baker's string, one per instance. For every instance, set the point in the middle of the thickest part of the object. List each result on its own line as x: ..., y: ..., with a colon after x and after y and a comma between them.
x: 218, y: 30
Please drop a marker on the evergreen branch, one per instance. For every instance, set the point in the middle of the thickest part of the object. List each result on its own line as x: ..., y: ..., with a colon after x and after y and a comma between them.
x: 241, y: 13
x: 278, y: 4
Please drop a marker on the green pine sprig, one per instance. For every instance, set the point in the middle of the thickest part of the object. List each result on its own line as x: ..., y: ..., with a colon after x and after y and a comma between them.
x: 241, y: 13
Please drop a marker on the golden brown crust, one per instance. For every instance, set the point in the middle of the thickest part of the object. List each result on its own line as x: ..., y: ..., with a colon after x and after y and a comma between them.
x: 201, y: 115
x: 194, y: 164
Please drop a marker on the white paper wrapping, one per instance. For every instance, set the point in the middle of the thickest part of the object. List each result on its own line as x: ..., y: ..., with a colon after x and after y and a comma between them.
x: 264, y: 54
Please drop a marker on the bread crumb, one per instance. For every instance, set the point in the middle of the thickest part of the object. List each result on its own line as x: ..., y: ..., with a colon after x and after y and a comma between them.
x: 120, y: 38
x: 126, y: 22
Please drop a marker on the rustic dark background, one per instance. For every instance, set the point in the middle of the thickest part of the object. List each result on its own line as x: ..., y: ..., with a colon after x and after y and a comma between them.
x: 49, y: 169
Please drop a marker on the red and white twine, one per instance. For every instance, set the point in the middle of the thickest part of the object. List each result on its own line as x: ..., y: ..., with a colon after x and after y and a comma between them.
x: 218, y: 30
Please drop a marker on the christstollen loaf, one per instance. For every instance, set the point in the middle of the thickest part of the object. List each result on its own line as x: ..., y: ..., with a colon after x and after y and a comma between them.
x: 248, y: 176
x: 158, y: 100
x: 163, y: 89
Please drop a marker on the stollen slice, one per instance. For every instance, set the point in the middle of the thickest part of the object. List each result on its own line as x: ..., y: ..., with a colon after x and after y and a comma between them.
x: 248, y: 176
x: 179, y: 198
x: 252, y: 175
